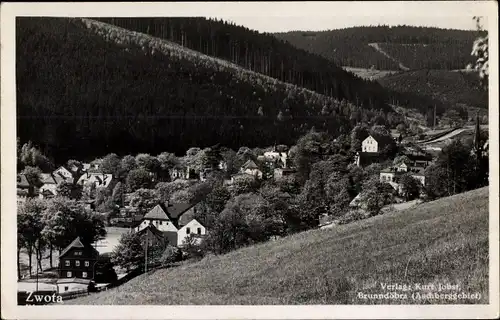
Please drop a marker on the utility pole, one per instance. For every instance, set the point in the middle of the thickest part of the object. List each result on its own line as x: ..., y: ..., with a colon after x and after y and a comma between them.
x: 146, y: 253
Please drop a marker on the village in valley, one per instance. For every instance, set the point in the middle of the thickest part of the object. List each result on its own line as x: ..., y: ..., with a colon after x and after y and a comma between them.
x: 191, y: 160
x: 167, y: 201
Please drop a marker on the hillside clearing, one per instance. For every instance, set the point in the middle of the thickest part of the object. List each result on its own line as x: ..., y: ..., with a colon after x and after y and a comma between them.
x: 445, y: 241
x: 370, y: 74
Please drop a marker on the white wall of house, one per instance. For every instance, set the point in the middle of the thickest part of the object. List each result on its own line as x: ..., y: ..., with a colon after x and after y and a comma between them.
x: 48, y: 186
x: 402, y: 167
x: 193, y: 227
x: 369, y: 145
x: 69, y: 287
x: 254, y: 172
x: 162, y: 225
x: 100, y: 180
x: 387, y: 176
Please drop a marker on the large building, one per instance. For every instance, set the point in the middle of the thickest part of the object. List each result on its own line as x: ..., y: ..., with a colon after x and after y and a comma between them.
x: 175, y: 220
x: 78, y: 260
x: 371, y: 147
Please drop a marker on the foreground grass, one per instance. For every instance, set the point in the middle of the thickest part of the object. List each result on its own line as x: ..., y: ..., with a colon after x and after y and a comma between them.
x: 444, y: 241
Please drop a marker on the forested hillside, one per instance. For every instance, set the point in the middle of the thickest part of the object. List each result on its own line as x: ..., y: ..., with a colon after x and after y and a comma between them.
x: 86, y: 87
x: 452, y: 87
x: 261, y: 53
x: 264, y: 53
x: 414, y: 47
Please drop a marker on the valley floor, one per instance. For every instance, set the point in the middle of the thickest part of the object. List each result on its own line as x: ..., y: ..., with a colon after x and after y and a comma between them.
x: 444, y: 242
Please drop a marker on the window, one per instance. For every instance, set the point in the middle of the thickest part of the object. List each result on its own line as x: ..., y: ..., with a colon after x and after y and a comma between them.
x: 77, y: 263
x: 68, y: 274
x: 78, y: 253
x: 199, y: 230
x: 66, y: 288
x: 87, y: 263
x: 188, y: 231
x: 161, y: 222
x: 67, y: 263
x: 84, y: 274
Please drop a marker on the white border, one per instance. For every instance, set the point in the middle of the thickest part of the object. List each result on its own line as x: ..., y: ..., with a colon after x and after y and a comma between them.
x: 448, y: 9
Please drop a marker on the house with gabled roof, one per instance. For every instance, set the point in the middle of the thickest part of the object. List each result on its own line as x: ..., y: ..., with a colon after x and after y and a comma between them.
x: 77, y: 260
x: 371, y: 147
x: 63, y: 173
x: 24, y: 188
x: 50, y: 182
x: 251, y: 168
x: 175, y: 220
x: 100, y: 180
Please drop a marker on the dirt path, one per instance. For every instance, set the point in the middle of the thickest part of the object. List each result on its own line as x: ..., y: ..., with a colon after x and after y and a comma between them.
x: 379, y: 49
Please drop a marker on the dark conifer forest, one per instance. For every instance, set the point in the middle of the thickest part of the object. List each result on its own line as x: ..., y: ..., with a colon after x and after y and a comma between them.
x: 262, y: 53
x: 413, y: 47
x: 86, y: 88
x: 129, y: 85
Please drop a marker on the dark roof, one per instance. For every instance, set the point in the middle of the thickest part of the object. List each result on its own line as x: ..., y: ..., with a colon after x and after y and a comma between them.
x: 185, y: 218
x: 47, y: 178
x: 382, y: 140
x: 170, y: 211
x: 77, y: 243
x: 175, y: 210
x: 170, y: 236
x: 22, y: 181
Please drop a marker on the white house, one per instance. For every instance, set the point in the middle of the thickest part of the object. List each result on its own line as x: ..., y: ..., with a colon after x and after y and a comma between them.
x: 175, y: 220
x: 100, y: 180
x: 252, y: 169
x: 275, y: 156
x: 49, y: 184
x: 193, y: 227
x: 64, y: 173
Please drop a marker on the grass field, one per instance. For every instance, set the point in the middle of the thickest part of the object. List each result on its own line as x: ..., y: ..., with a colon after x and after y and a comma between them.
x: 440, y: 242
x: 370, y: 74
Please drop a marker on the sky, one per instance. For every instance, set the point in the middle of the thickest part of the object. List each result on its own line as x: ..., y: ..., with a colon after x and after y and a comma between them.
x: 308, y: 23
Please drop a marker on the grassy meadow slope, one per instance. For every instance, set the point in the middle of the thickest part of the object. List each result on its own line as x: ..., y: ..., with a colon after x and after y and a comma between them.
x: 148, y: 94
x: 445, y: 241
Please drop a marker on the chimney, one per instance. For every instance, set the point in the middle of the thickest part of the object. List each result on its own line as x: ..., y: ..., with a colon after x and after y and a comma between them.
x: 166, y: 204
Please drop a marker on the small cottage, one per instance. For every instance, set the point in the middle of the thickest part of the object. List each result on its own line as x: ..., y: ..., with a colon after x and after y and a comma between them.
x: 252, y: 169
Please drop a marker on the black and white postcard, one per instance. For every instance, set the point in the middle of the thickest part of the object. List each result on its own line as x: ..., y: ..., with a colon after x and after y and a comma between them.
x: 229, y: 160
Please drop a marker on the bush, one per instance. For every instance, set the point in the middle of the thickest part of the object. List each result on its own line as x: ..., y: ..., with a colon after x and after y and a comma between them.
x: 170, y: 255
x: 352, y: 216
